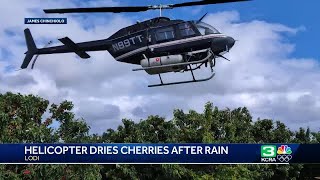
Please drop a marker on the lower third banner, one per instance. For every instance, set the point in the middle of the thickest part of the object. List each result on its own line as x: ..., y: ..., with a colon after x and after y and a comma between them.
x: 158, y: 153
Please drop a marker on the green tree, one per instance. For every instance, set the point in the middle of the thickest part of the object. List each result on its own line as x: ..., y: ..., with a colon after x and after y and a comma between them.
x: 28, y: 118
x: 21, y: 122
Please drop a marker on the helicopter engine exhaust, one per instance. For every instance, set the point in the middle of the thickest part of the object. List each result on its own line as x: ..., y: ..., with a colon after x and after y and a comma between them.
x: 163, y: 60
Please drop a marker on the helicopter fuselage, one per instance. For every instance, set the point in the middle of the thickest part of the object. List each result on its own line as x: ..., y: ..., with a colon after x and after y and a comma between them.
x: 162, y: 37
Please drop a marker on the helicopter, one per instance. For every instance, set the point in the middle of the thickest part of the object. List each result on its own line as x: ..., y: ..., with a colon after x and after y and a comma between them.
x: 159, y: 45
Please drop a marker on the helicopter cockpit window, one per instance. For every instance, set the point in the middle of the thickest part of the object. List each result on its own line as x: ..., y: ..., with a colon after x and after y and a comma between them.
x: 206, y: 29
x: 165, y: 34
x: 186, y: 30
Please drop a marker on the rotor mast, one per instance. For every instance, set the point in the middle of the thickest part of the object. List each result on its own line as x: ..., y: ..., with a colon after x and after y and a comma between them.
x: 161, y: 7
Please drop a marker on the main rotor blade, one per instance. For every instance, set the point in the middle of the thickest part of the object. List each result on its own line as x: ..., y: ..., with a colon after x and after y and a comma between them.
x: 204, y: 2
x: 99, y: 9
x: 136, y: 8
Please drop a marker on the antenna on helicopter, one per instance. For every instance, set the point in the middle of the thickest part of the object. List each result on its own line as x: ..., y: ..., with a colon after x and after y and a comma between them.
x: 202, y: 18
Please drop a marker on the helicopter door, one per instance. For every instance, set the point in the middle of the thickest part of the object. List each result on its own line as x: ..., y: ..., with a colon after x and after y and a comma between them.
x: 165, y: 34
x: 186, y: 30
x: 160, y: 35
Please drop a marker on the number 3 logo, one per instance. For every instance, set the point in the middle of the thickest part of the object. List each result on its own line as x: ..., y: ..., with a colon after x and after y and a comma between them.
x: 268, y: 151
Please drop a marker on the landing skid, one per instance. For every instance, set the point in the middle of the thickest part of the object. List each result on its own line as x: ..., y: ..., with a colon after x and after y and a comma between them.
x: 182, y: 82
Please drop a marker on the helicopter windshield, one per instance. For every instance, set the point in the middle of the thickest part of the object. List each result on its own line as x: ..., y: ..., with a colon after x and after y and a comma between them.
x: 206, y: 29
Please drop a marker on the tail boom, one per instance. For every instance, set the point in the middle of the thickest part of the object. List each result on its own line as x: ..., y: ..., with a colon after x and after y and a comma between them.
x: 68, y: 47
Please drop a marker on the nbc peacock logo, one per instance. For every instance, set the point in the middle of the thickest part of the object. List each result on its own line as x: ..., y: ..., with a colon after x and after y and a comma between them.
x: 284, y: 149
x: 284, y: 153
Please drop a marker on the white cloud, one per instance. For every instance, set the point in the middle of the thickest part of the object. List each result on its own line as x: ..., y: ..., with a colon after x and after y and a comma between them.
x: 260, y: 76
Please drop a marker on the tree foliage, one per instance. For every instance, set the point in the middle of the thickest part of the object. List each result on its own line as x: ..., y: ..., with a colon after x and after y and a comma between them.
x: 28, y: 118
